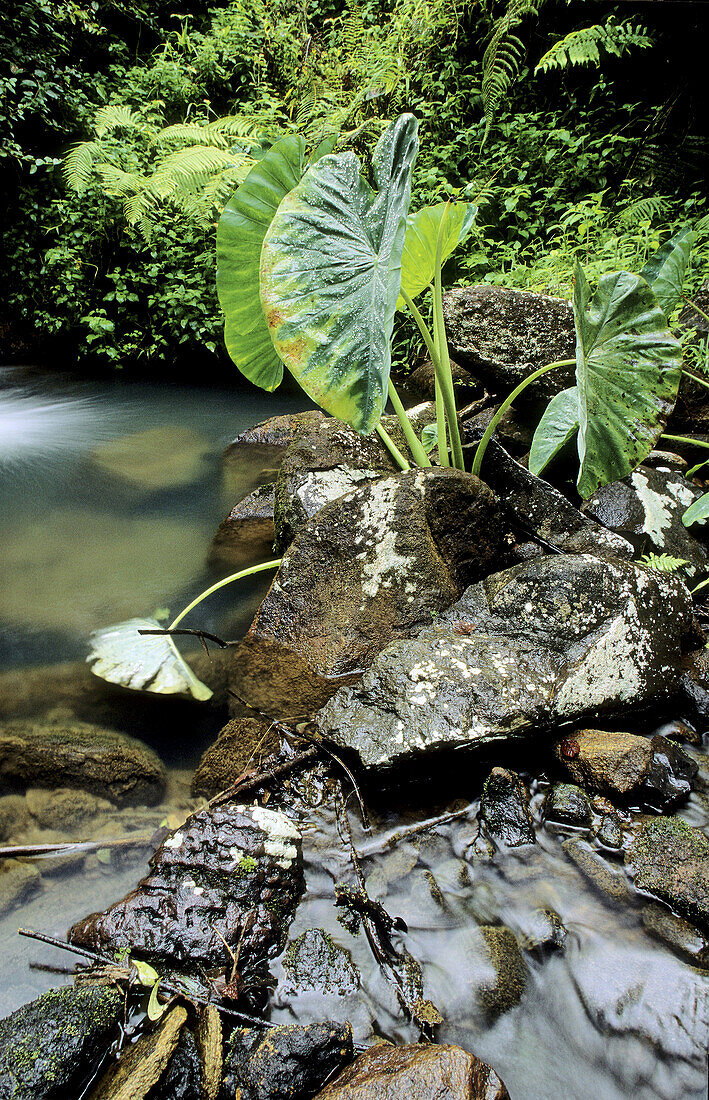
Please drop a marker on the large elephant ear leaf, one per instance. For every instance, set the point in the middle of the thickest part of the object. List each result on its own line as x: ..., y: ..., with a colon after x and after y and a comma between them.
x: 122, y: 655
x: 240, y: 234
x: 627, y: 370
x: 558, y: 425
x: 418, y: 261
x: 331, y: 273
x: 665, y: 270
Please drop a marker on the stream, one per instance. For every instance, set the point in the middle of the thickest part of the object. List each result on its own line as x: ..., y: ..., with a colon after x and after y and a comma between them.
x: 616, y: 1014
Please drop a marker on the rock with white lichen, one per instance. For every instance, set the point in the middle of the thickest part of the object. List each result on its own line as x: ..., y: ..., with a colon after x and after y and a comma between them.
x: 231, y: 875
x: 557, y: 638
x: 377, y: 564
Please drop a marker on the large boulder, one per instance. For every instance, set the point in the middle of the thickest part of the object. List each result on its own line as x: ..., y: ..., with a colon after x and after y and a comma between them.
x: 60, y: 753
x: 502, y: 336
x: 49, y: 1049
x: 550, y: 640
x: 254, y: 456
x: 374, y: 565
x: 290, y: 1062
x: 232, y: 875
x: 246, y: 535
x: 670, y: 859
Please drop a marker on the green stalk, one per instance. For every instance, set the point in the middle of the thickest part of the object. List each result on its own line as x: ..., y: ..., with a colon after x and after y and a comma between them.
x: 441, y: 427
x: 482, y: 445
x: 698, y: 309
x: 696, y: 378
x: 393, y: 449
x: 685, y: 439
x: 446, y: 376
x: 433, y: 352
x: 222, y: 584
x: 415, y: 445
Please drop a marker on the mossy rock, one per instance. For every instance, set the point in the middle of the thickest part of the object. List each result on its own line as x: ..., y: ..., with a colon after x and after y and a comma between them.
x: 670, y: 859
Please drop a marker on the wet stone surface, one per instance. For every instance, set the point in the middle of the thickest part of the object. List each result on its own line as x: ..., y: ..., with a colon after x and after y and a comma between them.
x: 504, y: 809
x: 291, y: 1062
x: 670, y: 859
x: 247, y: 533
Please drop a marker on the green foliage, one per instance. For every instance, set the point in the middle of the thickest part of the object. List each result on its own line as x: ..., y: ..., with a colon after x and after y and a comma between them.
x: 557, y: 427
x: 663, y: 563
x: 697, y: 512
x: 584, y: 46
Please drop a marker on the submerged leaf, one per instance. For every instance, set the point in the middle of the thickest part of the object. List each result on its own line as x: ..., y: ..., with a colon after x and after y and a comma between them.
x: 240, y: 234
x: 628, y: 368
x: 418, y: 260
x: 331, y: 273
x: 559, y: 424
x: 122, y: 656
x: 665, y: 270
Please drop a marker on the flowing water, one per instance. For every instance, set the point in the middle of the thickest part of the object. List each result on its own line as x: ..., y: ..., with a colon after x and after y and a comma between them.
x: 615, y: 1014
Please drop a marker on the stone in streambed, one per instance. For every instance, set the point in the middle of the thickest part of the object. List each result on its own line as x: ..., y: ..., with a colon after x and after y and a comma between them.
x: 143, y: 1063
x: 231, y: 874
x: 504, y: 809
x: 315, y: 962
x: 670, y: 859
x: 567, y: 804
x: 64, y: 809
x: 552, y: 639
x: 376, y: 564
x: 14, y: 816
x: 240, y: 741
x: 182, y: 1079
x: 246, y: 535
x: 49, y: 1049
x: 18, y: 881
x: 154, y: 459
x: 677, y: 934
x: 291, y: 1062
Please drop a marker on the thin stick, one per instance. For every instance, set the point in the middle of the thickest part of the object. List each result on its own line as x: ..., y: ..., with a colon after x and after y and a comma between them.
x: 250, y: 782
x: 381, y: 844
x: 19, y: 851
x: 201, y: 634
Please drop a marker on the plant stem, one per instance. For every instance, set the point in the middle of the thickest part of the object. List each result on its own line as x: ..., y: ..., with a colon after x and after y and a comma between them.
x: 482, y: 445
x: 685, y: 439
x: 415, y: 445
x: 441, y: 428
x: 696, y: 378
x: 392, y: 448
x: 697, y: 309
x: 433, y: 352
x: 445, y: 375
x: 222, y: 584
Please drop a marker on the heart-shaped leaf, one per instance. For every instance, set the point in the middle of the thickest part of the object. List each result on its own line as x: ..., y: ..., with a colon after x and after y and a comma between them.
x: 418, y: 260
x: 697, y: 512
x: 665, y: 270
x: 559, y: 424
x: 121, y: 655
x: 240, y: 234
x: 627, y: 370
x: 331, y: 273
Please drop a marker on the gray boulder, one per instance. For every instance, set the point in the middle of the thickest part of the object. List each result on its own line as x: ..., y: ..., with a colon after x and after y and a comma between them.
x: 670, y: 859
x: 550, y: 640
x: 502, y: 336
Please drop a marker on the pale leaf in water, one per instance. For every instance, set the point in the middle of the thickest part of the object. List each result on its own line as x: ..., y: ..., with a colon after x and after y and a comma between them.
x: 121, y: 655
x: 146, y: 974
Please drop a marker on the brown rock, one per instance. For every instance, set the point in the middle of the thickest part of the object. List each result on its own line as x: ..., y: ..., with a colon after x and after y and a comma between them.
x: 246, y: 535
x: 241, y: 740
x: 421, y: 383
x: 423, y: 1072
x: 255, y: 455
x: 612, y: 763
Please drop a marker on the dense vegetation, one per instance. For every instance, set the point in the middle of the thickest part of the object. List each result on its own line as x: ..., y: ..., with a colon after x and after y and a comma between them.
x: 577, y: 125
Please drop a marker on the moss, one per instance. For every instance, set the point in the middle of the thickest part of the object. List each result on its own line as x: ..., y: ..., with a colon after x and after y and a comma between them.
x: 246, y: 866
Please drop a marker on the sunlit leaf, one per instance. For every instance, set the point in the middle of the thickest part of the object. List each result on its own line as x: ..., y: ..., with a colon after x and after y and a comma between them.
x: 147, y: 975
x: 429, y: 437
x: 628, y: 369
x: 155, y: 1010
x: 122, y: 656
x: 331, y: 273
x: 665, y: 270
x: 697, y: 512
x: 240, y: 234
x: 418, y: 260
x: 559, y: 424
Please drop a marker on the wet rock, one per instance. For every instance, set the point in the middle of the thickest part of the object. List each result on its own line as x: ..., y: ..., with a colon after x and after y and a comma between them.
x: 423, y: 1071
x: 155, y: 459
x: 666, y: 460
x: 504, y: 809
x: 278, y: 433
x: 695, y: 686
x: 182, y: 1079
x: 64, y: 809
x: 421, y: 383
x: 677, y: 730
x: 14, y: 816
x: 374, y: 565
x: 490, y: 975
x: 49, y: 1049
x: 240, y: 741
x: 142, y: 1064
x: 543, y: 931
x: 18, y: 881
x: 670, y: 859
x: 291, y: 1062
x: 247, y: 534
x: 505, y: 991
x: 548, y: 640
x: 315, y: 962
x: 231, y: 875
x: 677, y: 934
x: 567, y: 804
x: 646, y: 508
x: 79, y: 755
x: 610, y: 832
x: 502, y: 336
x: 607, y: 881
x: 670, y: 775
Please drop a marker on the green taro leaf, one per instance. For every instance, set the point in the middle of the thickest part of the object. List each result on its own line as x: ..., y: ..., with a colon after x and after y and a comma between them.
x: 122, y: 656
x: 559, y: 424
x: 627, y: 370
x: 665, y: 270
x: 697, y: 512
x: 418, y: 261
x: 240, y: 234
x: 331, y: 274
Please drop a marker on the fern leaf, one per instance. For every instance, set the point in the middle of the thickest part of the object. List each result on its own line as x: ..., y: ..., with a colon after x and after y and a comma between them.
x: 642, y: 210
x: 118, y: 183
x: 113, y: 116
x: 503, y: 56
x: 582, y: 47
x: 663, y: 563
x: 78, y: 164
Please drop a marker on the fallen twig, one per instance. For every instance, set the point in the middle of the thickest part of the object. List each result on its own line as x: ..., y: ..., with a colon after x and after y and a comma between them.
x: 27, y: 851
x: 377, y: 845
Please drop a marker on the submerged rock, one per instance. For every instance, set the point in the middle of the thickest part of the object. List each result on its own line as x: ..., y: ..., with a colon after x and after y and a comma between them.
x: 42, y: 753
x: 424, y: 1071
x: 291, y: 1062
x: 231, y: 875
x: 502, y: 336
x: 677, y: 934
x: 278, y: 433
x: 374, y: 565
x: 552, y: 639
x: 240, y: 741
x: 247, y: 534
x: 504, y: 809
x: 154, y: 459
x: 543, y: 931
x: 50, y: 1048
x: 670, y: 859
x: 18, y: 881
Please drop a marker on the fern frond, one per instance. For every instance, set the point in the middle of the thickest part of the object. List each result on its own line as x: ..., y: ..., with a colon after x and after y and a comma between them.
x: 78, y: 164
x: 118, y: 183
x: 503, y: 56
x: 642, y: 210
x: 113, y: 116
x: 663, y: 563
x: 583, y: 47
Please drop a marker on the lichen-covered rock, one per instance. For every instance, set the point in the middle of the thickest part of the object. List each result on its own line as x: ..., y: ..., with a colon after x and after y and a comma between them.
x: 49, y: 1048
x: 42, y: 753
x: 315, y: 962
x: 240, y: 741
x: 424, y: 1071
x: 231, y: 875
x: 374, y: 565
x: 291, y: 1062
x: 278, y: 433
x: 567, y: 804
x: 247, y: 534
x: 502, y: 336
x: 670, y: 859
x: 504, y: 809
x: 646, y: 508
x: 552, y: 639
